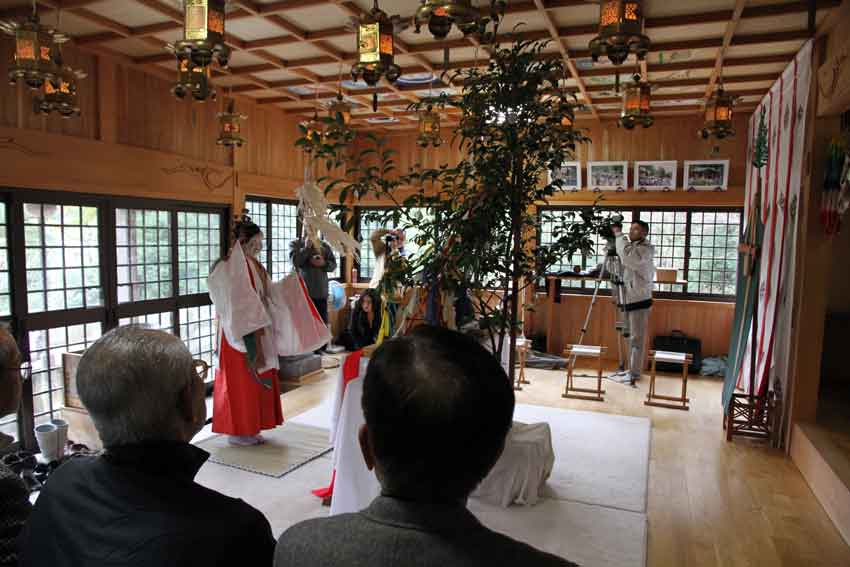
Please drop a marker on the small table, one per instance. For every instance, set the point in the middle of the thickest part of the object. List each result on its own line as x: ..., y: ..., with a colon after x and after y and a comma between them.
x: 681, y: 402
x: 572, y: 352
x: 522, y: 348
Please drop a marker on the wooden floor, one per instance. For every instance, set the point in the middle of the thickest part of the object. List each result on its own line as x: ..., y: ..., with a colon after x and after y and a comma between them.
x: 710, y: 502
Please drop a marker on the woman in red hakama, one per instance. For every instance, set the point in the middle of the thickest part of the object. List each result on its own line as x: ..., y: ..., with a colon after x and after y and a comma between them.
x: 246, y: 395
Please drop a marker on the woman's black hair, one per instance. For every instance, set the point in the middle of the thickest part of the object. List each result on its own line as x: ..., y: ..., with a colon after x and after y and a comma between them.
x: 244, y: 229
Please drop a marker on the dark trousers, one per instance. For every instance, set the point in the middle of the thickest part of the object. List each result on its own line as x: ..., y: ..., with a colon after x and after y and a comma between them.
x: 322, y: 308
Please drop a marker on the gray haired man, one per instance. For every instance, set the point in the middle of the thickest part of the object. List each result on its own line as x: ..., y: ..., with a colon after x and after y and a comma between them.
x: 137, y: 504
x: 638, y: 258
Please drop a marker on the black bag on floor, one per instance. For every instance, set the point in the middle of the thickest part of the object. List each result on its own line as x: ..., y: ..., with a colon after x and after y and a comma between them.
x: 677, y: 341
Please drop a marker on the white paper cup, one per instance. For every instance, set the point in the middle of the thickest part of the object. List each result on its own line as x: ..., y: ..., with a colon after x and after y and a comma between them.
x: 62, y: 429
x: 47, y: 436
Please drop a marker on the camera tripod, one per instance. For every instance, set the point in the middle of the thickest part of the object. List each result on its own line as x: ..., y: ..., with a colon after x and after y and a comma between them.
x: 612, y: 267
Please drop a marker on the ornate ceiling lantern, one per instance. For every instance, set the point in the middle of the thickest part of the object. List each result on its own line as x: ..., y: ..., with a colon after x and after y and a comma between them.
x: 34, y: 50
x: 193, y: 79
x: 429, y: 128
x: 339, y: 127
x: 203, y: 33
x: 314, y: 131
x: 61, y: 96
x: 718, y: 115
x: 637, y: 100
x: 375, y: 51
x: 620, y: 32
x: 440, y: 15
x: 230, y: 127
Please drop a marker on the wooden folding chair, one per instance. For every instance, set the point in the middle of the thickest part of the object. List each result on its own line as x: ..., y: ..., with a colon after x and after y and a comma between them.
x: 572, y: 353
x: 659, y: 400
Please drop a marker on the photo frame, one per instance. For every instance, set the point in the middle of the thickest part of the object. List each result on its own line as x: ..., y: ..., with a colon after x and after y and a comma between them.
x: 707, y: 175
x: 655, y: 175
x: 570, y: 172
x: 608, y: 176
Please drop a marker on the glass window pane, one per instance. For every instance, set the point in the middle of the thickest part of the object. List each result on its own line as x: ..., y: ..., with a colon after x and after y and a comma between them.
x: 161, y: 321
x: 61, y: 238
x: 140, y: 239
x: 5, y: 299
x: 284, y: 231
x: 199, y: 329
x: 198, y: 247
x: 46, y: 349
x: 713, y: 268
x: 667, y: 232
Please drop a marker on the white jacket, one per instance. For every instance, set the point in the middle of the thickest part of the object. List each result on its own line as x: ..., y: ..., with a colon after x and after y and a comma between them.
x: 638, y: 268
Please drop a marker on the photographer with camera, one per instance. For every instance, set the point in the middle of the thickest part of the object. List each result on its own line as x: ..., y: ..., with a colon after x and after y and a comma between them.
x: 385, y: 242
x: 637, y: 256
x: 314, y: 260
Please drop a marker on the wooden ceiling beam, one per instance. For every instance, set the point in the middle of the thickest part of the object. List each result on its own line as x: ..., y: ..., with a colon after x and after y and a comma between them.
x: 731, y: 26
x: 682, y: 96
x: 570, y: 64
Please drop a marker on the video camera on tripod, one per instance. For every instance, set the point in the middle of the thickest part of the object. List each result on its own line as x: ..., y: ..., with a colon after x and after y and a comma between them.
x: 607, y: 231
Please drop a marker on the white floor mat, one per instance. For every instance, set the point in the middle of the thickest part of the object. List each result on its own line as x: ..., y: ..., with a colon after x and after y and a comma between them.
x: 600, y: 459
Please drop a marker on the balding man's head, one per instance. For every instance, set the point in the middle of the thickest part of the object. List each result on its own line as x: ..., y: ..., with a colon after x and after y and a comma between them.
x: 140, y: 385
x: 10, y: 373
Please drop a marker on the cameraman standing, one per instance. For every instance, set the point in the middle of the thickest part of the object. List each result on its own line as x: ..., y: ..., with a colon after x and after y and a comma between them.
x: 637, y: 256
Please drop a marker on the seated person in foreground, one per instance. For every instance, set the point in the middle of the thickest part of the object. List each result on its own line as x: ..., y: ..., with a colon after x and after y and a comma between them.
x: 366, y: 319
x: 137, y: 504
x: 14, y: 494
x: 438, y: 408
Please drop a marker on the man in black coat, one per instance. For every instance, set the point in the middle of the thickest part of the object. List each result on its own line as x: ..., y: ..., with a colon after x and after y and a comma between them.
x: 138, y: 504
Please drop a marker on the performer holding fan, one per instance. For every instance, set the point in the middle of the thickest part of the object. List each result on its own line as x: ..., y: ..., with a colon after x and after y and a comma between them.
x: 247, y: 393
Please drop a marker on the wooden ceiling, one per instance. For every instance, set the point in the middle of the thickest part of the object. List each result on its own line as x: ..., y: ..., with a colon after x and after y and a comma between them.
x: 290, y: 53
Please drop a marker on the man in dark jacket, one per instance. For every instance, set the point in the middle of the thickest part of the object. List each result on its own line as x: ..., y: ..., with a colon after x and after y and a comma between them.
x: 438, y: 408
x: 137, y: 504
x: 314, y: 263
x: 14, y: 496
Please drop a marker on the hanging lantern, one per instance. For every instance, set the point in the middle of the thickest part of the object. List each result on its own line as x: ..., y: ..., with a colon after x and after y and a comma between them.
x: 59, y: 95
x: 637, y: 99
x: 339, y: 128
x: 429, y: 128
x: 620, y: 32
x: 314, y: 132
x: 718, y: 116
x: 193, y: 79
x: 229, y: 132
x: 203, y: 33
x: 34, y: 51
x: 375, y: 51
x: 439, y: 15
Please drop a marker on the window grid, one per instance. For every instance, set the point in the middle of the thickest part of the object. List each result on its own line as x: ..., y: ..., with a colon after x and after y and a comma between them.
x: 701, y: 244
x: 198, y: 246
x: 669, y: 231
x: 284, y: 229
x: 62, y: 257
x: 258, y: 211
x: 161, y: 321
x: 198, y: 329
x: 143, y: 254
x: 5, y: 293
x: 46, y: 348
x: 713, y: 265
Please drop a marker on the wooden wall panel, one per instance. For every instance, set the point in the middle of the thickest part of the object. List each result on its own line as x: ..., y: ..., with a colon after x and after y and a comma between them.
x: 673, y: 138
x: 271, y: 136
x: 709, y: 321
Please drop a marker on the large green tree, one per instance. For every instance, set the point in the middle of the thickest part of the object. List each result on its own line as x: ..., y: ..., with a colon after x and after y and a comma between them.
x: 475, y: 222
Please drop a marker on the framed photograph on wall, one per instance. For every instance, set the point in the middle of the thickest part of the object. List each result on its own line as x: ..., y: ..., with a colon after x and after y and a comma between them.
x: 655, y: 175
x: 707, y: 175
x: 608, y: 175
x: 570, y: 174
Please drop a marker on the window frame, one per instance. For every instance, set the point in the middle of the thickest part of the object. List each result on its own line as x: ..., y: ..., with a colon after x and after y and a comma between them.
x: 21, y: 322
x: 586, y: 287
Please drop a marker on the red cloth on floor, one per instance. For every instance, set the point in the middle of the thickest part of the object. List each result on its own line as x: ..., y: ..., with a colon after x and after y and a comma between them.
x: 350, y: 371
x: 242, y: 406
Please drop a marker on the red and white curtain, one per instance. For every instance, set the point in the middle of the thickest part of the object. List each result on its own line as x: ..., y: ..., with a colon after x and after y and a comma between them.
x: 785, y: 108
